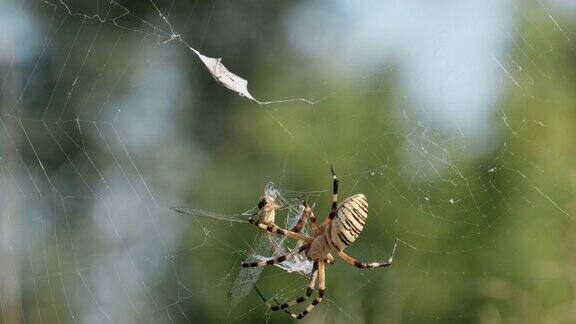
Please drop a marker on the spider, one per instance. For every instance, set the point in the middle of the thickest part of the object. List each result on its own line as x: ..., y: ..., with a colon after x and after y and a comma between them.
x: 340, y: 229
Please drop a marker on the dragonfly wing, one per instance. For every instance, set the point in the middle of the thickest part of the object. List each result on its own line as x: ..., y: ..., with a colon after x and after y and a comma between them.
x: 209, y: 214
x: 265, y: 247
x: 247, y: 277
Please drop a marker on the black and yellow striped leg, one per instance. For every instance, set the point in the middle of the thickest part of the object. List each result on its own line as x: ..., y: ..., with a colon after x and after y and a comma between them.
x: 334, y: 207
x: 317, y: 300
x: 299, y: 300
x: 303, y: 218
x: 273, y: 228
x: 279, y: 259
x: 306, y: 214
x: 335, y: 183
x: 367, y: 265
x: 321, y: 271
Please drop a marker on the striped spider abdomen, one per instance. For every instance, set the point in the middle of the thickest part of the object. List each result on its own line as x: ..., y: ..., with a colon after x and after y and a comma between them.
x: 349, y: 222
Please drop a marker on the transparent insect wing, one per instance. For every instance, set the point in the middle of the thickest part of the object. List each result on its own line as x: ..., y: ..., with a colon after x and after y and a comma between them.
x: 267, y: 246
x: 246, y: 277
x: 208, y: 214
x: 299, y: 263
x: 271, y: 190
x: 293, y: 214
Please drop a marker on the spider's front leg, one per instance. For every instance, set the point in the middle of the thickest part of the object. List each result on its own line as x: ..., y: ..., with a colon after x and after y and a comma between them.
x: 334, y: 207
x: 273, y: 228
x: 266, y: 217
x: 306, y: 214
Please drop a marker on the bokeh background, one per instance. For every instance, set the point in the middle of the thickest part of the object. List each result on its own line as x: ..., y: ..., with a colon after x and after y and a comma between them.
x: 455, y: 118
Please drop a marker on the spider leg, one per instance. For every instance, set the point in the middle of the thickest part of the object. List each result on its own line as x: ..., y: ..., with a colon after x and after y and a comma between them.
x: 306, y: 214
x: 273, y: 228
x: 335, y: 183
x: 279, y: 259
x: 334, y: 208
x: 299, y: 300
x: 321, y: 288
x: 366, y: 265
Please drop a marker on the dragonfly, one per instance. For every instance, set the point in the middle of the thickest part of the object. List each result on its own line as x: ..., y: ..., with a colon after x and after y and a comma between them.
x: 265, y: 245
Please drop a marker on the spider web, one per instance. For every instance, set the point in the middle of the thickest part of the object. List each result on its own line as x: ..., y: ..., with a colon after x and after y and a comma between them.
x: 454, y: 119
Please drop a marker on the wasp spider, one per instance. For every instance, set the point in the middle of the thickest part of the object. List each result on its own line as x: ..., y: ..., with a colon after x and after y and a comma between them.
x: 340, y: 229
